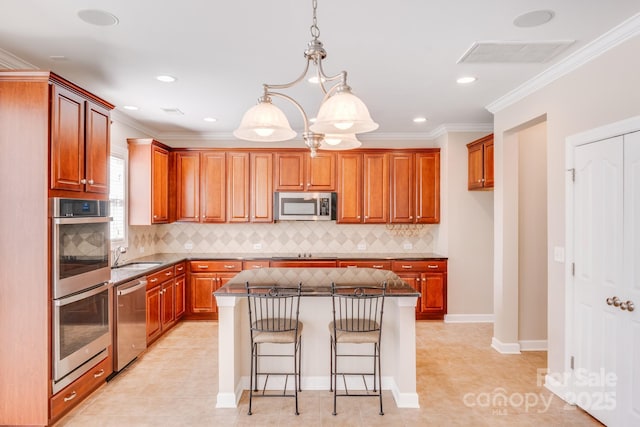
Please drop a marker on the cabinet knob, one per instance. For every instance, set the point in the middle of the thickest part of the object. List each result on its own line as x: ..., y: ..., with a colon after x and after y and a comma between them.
x: 410, y: 216
x: 90, y: 182
x: 83, y: 181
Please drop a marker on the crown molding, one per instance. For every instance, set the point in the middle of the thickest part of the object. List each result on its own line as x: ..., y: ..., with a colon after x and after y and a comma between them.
x: 11, y: 62
x: 619, y: 34
x: 120, y: 117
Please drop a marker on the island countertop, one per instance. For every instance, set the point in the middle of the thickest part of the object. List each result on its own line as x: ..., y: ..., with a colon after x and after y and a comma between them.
x: 317, y: 281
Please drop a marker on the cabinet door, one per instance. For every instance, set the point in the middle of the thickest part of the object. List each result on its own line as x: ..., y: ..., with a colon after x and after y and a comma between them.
x: 289, y: 174
x: 488, y: 163
x: 213, y: 193
x: 180, y: 307
x: 321, y: 172
x: 375, y: 184
x: 261, y: 187
x: 153, y: 313
x: 97, y: 149
x: 187, y: 186
x: 67, y: 140
x: 238, y: 187
x: 427, y: 188
x: 433, y: 293
x: 475, y: 166
x: 413, y: 280
x: 402, y: 188
x: 167, y: 309
x: 202, y: 287
x: 349, y: 188
x: 160, y: 185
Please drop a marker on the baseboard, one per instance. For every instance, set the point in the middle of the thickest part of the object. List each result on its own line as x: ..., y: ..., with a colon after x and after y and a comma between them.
x: 533, y: 345
x: 505, y: 348
x: 558, y: 388
x: 227, y: 400
x: 468, y: 318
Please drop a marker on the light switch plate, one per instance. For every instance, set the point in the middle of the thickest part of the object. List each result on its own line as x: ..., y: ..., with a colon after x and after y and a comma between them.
x: 407, y: 246
x: 257, y: 246
x: 362, y: 246
x: 558, y: 254
x: 188, y: 246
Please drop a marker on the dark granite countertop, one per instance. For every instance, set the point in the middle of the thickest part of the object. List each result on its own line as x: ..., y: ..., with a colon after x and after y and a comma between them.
x: 316, y: 281
x: 121, y: 275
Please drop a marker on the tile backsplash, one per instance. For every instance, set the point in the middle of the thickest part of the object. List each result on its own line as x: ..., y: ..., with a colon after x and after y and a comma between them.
x: 282, y: 237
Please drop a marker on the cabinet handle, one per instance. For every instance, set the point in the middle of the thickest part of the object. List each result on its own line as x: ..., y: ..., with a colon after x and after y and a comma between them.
x: 98, y: 374
x: 153, y: 280
x: 377, y: 266
x: 70, y: 396
x: 256, y: 266
x: 168, y: 273
x: 432, y: 266
x: 180, y: 268
x: 90, y: 182
x: 83, y: 181
x: 407, y: 267
x: 229, y: 266
x: 203, y: 266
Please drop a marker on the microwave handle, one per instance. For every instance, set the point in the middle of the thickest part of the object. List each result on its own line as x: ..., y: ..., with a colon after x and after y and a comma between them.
x: 77, y: 297
x: 83, y: 220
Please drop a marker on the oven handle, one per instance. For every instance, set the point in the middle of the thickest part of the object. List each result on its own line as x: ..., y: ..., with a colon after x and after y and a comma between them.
x: 130, y: 289
x: 83, y: 220
x: 77, y: 297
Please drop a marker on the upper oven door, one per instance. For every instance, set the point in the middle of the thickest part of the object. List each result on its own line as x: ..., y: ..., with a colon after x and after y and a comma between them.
x: 80, y: 251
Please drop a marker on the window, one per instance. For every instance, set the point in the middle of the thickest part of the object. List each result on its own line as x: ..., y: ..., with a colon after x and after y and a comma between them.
x: 117, y: 192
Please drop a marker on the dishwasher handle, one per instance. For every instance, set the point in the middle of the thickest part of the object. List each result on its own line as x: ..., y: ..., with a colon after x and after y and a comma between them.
x: 130, y: 289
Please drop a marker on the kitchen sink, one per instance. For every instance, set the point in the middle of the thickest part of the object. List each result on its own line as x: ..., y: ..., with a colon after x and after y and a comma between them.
x: 138, y: 265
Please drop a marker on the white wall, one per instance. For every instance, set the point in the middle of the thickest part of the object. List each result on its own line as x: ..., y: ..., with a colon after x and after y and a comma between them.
x: 602, y: 91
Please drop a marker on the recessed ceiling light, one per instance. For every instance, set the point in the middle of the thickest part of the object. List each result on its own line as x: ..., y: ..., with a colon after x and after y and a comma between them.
x: 420, y: 120
x: 130, y: 107
x: 97, y: 17
x: 466, y: 80
x: 166, y: 78
x: 210, y: 119
x: 534, y: 19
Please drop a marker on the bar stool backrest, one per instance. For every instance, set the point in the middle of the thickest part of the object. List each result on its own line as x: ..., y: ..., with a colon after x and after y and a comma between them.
x: 273, y: 308
x: 358, y: 309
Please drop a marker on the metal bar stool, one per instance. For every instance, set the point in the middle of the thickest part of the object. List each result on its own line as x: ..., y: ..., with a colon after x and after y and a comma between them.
x: 357, y: 319
x: 273, y: 319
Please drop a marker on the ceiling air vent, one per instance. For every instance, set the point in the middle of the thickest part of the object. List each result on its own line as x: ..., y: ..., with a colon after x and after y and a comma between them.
x: 514, y: 51
x: 175, y: 111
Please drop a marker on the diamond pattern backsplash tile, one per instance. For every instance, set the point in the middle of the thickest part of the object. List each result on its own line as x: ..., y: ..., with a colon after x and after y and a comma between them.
x: 282, y: 237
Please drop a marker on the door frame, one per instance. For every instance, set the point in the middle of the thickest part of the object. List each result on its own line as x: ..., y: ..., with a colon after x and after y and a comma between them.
x: 562, y: 384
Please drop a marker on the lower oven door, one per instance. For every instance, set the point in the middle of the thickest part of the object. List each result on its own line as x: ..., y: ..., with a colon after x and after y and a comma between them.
x: 81, y: 328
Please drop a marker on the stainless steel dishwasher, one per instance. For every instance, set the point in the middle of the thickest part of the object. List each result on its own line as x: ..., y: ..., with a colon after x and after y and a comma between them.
x: 130, y: 319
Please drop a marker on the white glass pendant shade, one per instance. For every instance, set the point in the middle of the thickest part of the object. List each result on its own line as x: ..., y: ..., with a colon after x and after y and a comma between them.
x: 345, y: 141
x: 264, y: 122
x: 343, y: 113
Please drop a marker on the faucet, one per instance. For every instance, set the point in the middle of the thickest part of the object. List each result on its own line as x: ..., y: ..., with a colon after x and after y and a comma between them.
x: 117, y: 253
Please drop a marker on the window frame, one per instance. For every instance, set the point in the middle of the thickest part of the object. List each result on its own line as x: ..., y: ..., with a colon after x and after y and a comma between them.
x: 124, y: 155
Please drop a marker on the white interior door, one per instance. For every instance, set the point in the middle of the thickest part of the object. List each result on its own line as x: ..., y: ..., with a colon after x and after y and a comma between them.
x: 598, y: 234
x: 629, y: 369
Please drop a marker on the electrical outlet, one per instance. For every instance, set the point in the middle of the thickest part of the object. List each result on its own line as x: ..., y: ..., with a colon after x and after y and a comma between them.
x: 188, y: 246
x: 257, y: 246
x: 558, y: 254
x: 141, y: 250
x: 362, y: 246
x: 407, y: 246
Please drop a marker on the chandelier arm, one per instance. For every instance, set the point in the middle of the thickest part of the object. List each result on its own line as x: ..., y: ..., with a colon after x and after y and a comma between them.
x: 342, y: 75
x: 294, y: 102
x: 290, y: 84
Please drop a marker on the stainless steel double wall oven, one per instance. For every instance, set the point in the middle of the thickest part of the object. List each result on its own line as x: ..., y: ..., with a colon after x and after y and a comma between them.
x: 82, y: 294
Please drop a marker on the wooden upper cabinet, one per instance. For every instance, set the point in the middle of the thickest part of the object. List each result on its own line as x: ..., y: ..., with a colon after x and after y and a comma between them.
x: 481, y: 163
x: 289, y: 175
x: 261, y: 187
x: 238, y: 187
x: 298, y: 171
x: 213, y: 187
x: 321, y: 172
x: 349, y: 209
x: 80, y: 145
x: 427, y: 188
x: 402, y: 190
x: 148, y: 182
x: 187, y: 171
x: 375, y: 185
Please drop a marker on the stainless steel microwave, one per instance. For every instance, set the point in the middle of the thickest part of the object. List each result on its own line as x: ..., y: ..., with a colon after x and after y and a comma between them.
x: 299, y: 206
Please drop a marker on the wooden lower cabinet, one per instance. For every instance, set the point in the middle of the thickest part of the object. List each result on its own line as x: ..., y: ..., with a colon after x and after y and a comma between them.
x: 205, y: 277
x: 180, y: 296
x: 162, y: 307
x: 153, y: 314
x: 75, y: 392
x: 430, y: 279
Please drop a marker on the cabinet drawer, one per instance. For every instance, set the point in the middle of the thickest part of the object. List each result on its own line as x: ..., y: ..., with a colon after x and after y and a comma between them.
x: 180, y: 268
x: 382, y: 265
x: 158, y: 277
x: 75, y: 392
x: 203, y: 266
x: 252, y: 265
x: 435, y: 266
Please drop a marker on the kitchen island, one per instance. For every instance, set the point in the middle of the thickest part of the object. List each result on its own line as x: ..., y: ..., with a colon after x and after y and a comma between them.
x: 398, y: 330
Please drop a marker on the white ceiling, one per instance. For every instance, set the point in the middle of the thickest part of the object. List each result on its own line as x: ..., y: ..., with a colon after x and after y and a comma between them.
x: 401, y: 57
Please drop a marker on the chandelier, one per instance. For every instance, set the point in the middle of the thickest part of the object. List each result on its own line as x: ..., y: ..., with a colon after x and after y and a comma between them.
x: 341, y: 116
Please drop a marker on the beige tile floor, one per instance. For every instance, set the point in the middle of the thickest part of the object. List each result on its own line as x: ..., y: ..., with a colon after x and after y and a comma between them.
x: 459, y: 377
